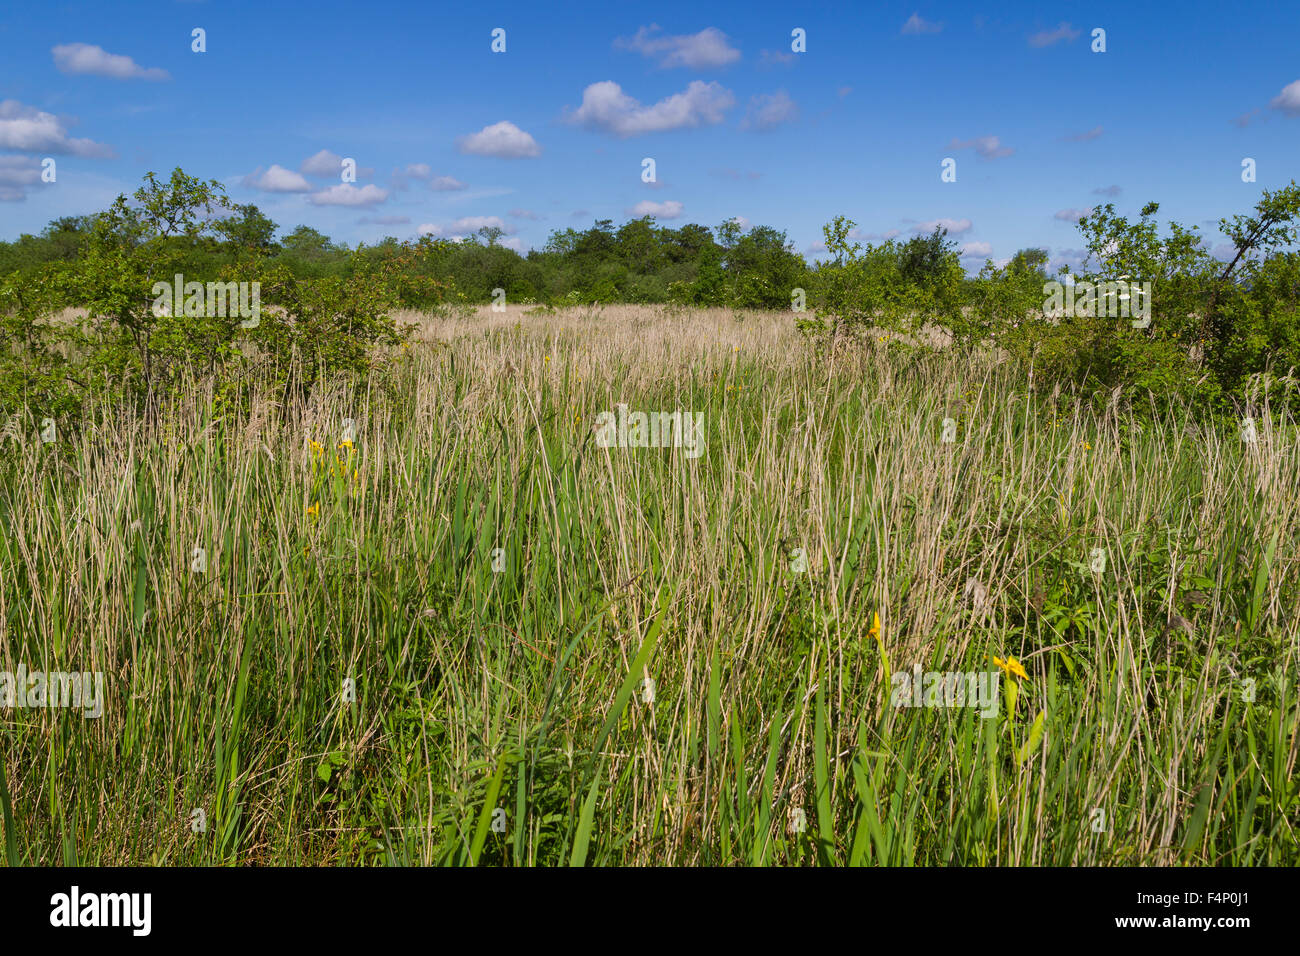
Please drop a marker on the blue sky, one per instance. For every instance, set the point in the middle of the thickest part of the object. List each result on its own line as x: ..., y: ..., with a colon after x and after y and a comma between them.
x: 448, y: 135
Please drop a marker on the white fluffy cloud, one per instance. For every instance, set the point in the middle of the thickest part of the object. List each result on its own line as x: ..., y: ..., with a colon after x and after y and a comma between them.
x: 1072, y: 215
x: 30, y: 130
x: 323, y: 164
x: 770, y: 109
x: 348, y: 194
x: 504, y: 140
x: 467, y: 225
x: 475, y: 223
x: 424, y: 173
x: 859, y: 235
x: 1288, y: 101
x: 660, y: 210
x: 329, y: 165
x: 606, y: 107
x: 975, y: 250
x: 19, y: 171
x: 955, y: 227
x: 277, y: 179
x: 16, y: 174
x: 86, y: 59
x: 697, y: 51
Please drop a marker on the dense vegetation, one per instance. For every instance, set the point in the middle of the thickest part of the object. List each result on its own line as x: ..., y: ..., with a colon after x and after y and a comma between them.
x: 425, y: 637
x: 1224, y: 336
x: 367, y: 591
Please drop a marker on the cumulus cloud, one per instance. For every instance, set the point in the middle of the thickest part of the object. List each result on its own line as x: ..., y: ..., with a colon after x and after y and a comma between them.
x: 987, y: 147
x: 86, y: 59
x: 660, y: 210
x: 607, y: 108
x: 975, y: 250
x: 19, y: 171
x: 916, y: 25
x: 277, y: 179
x: 504, y: 140
x: 401, y: 178
x: 1084, y: 137
x: 328, y: 165
x: 466, y: 225
x: 475, y: 223
x: 1071, y: 215
x: 769, y: 110
x: 16, y: 174
x: 348, y: 194
x: 697, y: 51
x: 1044, y: 38
x: 858, y: 235
x: 955, y: 227
x: 1111, y: 191
x: 1288, y: 101
x: 30, y: 130
x: 324, y: 164
x: 423, y: 172
x: 523, y: 214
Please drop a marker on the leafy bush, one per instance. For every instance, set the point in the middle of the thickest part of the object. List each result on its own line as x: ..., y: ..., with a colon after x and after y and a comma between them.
x: 895, y: 286
x: 133, y: 345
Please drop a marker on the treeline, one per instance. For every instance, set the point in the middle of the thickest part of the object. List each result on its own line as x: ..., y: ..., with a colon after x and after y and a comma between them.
x: 637, y: 262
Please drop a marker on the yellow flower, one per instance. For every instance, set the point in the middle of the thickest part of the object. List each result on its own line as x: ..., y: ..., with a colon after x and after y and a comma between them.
x: 875, y: 628
x: 316, y: 447
x: 1012, y: 667
x: 314, y: 509
x: 347, y: 445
